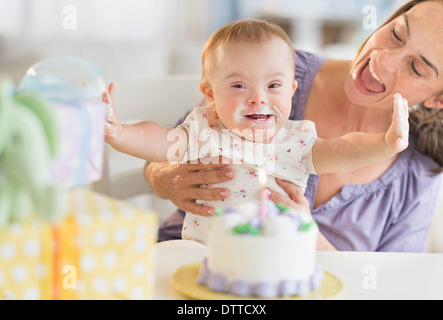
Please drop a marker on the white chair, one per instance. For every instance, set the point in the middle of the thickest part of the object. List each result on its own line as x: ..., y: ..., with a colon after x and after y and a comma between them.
x: 160, y: 99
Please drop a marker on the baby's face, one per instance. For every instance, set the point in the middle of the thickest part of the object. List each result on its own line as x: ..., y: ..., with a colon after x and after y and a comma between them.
x: 252, y: 87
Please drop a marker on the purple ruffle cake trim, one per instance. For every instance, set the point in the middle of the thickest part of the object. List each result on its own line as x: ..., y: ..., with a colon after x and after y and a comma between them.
x: 286, y: 288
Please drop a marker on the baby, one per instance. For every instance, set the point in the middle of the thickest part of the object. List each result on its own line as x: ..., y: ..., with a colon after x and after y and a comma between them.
x: 248, y: 82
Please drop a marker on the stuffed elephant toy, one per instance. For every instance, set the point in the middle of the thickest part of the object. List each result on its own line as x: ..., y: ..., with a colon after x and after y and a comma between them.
x: 28, y: 144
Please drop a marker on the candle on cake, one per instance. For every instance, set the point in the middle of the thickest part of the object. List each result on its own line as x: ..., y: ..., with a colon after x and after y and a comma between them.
x: 264, y: 194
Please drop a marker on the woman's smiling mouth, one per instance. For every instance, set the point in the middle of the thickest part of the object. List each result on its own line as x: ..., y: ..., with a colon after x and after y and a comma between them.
x: 368, y: 81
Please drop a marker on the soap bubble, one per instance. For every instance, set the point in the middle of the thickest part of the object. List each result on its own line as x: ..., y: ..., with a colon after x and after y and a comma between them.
x: 65, y: 78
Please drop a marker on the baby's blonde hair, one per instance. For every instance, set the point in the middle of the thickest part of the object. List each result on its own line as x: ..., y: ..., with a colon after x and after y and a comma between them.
x: 240, y: 31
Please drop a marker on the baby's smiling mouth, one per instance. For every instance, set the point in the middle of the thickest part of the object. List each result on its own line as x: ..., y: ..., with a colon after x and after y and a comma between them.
x: 267, y: 118
x: 266, y: 115
x: 259, y: 117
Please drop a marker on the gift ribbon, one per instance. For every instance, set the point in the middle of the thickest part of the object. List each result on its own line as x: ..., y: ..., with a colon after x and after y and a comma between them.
x: 58, y: 249
x: 85, y: 137
x: 56, y: 262
x: 66, y: 254
x: 57, y: 89
x: 85, y: 132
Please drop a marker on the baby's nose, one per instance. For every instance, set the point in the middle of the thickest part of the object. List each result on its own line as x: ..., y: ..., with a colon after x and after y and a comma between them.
x: 257, y: 98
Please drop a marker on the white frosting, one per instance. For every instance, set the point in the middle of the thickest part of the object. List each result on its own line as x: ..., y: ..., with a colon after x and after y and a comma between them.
x: 282, y: 226
x: 280, y: 253
x: 238, y: 114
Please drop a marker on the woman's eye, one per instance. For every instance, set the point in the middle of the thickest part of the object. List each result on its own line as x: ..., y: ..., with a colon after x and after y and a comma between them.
x: 414, y: 69
x: 395, y: 35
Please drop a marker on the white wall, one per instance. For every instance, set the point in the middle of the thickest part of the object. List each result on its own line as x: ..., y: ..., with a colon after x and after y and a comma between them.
x: 133, y: 39
x: 129, y: 39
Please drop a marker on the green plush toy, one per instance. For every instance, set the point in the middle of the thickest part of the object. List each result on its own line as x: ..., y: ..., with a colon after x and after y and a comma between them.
x: 28, y: 144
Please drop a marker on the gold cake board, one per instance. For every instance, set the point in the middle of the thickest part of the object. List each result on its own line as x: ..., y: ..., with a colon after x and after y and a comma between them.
x: 184, y: 280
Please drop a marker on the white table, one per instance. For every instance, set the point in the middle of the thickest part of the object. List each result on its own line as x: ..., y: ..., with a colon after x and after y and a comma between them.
x: 364, y: 275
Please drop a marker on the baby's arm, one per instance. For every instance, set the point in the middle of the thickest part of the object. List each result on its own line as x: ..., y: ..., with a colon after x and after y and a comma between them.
x: 146, y: 139
x: 357, y: 150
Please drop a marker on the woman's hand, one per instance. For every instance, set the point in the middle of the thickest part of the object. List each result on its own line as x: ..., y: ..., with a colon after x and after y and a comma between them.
x: 181, y: 183
x: 298, y: 201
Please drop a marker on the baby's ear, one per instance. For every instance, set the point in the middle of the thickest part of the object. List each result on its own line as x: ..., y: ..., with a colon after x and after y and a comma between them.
x: 207, y: 91
x: 294, y: 86
x: 434, y: 102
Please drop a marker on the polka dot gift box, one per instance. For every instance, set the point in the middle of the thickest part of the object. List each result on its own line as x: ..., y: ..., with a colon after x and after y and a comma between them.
x: 103, y: 249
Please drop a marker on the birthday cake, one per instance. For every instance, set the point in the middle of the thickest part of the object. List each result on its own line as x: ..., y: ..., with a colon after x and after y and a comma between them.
x: 267, y: 257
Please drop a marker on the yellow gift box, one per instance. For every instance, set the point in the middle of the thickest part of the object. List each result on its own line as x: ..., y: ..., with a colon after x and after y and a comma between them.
x: 103, y: 249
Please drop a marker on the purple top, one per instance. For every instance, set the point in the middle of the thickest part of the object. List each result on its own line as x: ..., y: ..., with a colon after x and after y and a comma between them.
x: 392, y: 213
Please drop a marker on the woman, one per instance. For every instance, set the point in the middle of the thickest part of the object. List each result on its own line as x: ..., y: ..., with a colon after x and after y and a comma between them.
x: 384, y: 207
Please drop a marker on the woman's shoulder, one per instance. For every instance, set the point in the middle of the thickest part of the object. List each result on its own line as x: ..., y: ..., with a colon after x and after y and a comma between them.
x: 419, y: 165
x: 307, y: 62
x: 307, y: 65
x: 306, y: 57
x: 412, y: 176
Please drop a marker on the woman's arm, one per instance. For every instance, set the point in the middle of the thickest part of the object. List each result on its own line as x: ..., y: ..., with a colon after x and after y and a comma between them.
x: 357, y: 150
x: 298, y: 200
x: 181, y: 183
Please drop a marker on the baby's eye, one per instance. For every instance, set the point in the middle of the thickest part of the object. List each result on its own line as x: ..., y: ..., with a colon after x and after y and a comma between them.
x: 274, y: 85
x: 238, y: 86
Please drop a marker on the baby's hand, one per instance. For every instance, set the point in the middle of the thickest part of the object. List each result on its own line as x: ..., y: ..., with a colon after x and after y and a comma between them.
x: 397, y: 135
x: 113, y: 126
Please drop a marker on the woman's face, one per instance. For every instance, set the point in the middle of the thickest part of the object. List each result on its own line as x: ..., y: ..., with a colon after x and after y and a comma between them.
x: 405, y: 56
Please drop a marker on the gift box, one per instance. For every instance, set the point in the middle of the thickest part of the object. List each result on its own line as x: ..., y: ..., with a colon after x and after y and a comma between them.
x: 102, y: 249
x: 73, y: 87
x: 81, y: 143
